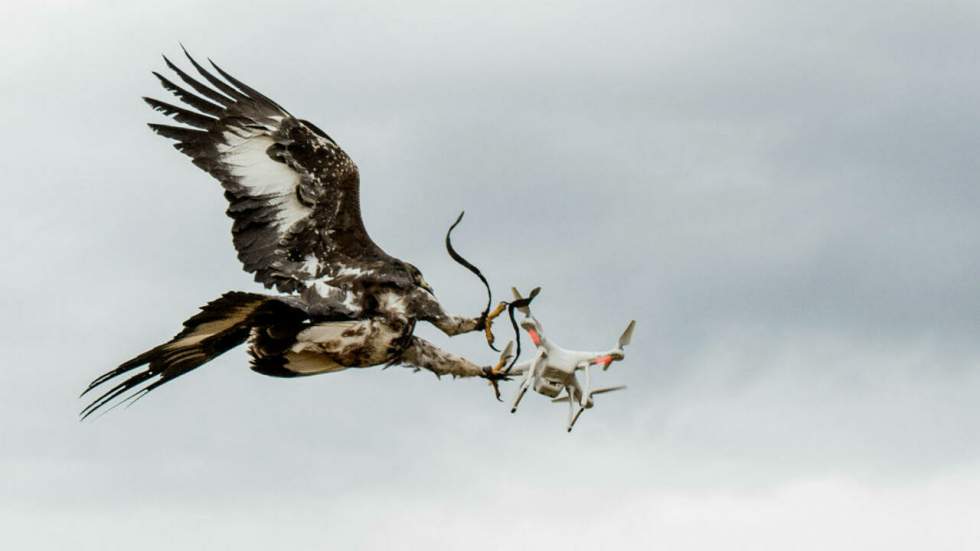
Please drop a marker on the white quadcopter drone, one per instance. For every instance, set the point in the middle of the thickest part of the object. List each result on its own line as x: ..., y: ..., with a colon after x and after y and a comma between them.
x: 553, y: 368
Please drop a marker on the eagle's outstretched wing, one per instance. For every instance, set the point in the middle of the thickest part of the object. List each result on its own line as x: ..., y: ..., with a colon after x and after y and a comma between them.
x: 292, y: 191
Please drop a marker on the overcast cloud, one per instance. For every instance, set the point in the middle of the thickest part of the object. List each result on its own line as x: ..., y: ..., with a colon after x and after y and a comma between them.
x: 785, y: 197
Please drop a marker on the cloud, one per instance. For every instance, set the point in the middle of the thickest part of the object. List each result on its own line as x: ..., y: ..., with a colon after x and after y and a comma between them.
x: 783, y: 196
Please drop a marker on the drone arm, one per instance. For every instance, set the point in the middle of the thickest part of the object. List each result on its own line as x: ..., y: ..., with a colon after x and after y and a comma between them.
x: 521, y: 368
x: 614, y: 354
x: 605, y: 358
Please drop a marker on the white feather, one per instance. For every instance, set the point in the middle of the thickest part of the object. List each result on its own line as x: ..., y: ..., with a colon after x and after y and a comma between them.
x: 392, y: 302
x: 249, y: 162
x: 310, y: 265
x: 327, y: 337
x: 311, y: 363
x: 350, y: 301
x: 348, y: 271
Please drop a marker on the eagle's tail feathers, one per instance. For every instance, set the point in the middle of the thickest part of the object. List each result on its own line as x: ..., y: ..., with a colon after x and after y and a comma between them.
x: 220, y: 326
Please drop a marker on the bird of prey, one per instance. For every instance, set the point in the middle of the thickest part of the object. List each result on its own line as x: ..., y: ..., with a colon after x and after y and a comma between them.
x: 293, y: 197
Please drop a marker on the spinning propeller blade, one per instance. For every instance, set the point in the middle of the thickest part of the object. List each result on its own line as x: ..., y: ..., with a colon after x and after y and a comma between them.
x: 627, y: 335
x: 608, y: 389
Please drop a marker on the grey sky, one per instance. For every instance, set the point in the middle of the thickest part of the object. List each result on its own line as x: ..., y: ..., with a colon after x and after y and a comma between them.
x: 784, y: 197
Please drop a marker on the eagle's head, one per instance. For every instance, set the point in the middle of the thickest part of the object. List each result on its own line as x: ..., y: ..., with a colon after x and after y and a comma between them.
x: 417, y: 278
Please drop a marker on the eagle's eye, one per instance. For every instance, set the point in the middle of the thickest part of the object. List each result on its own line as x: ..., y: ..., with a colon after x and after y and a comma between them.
x: 418, y: 279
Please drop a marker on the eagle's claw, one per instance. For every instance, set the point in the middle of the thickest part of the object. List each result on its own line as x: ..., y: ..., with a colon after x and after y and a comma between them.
x: 488, y: 322
x: 493, y: 377
x: 494, y: 374
x: 497, y: 373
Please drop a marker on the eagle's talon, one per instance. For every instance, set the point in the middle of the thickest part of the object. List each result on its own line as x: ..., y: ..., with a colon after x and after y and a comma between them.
x: 488, y: 322
x: 497, y: 373
x: 494, y: 375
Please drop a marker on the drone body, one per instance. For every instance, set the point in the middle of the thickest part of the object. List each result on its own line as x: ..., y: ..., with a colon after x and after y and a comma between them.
x: 553, y: 368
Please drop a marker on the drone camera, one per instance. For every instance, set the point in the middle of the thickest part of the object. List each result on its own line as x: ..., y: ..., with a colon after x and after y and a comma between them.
x: 549, y: 388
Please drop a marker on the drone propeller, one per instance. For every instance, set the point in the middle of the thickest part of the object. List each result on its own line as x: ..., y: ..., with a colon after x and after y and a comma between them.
x: 522, y: 304
x: 525, y: 308
x: 627, y: 335
x: 603, y: 390
x: 608, y: 389
x: 606, y: 360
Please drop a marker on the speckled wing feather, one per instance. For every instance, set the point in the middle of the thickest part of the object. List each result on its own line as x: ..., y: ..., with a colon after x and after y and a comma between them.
x: 292, y: 191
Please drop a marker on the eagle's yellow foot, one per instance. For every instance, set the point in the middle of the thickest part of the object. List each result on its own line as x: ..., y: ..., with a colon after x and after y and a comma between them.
x: 488, y: 323
x: 499, y: 371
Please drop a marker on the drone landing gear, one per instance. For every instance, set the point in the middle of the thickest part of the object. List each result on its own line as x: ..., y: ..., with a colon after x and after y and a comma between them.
x: 573, y: 418
x: 575, y: 407
x: 497, y: 372
x: 530, y: 370
x: 520, y: 394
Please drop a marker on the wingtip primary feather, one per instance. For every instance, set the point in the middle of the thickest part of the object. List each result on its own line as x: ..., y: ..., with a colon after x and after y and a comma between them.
x: 245, y: 88
x: 215, y: 81
x: 180, y: 114
x: 198, y: 86
x: 194, y: 101
x: 188, y: 135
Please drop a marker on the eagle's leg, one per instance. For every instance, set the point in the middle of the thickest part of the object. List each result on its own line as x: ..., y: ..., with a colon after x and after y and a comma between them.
x: 423, y: 354
x: 488, y: 323
x: 426, y: 308
x: 456, y: 325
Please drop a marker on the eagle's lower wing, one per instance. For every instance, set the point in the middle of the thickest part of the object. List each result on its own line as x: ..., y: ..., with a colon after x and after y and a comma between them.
x: 292, y: 191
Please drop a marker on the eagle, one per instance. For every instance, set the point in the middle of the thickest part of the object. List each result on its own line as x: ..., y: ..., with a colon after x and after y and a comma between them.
x: 293, y: 197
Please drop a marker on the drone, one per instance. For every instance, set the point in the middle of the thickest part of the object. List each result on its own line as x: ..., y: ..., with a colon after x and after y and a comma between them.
x: 553, y: 368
